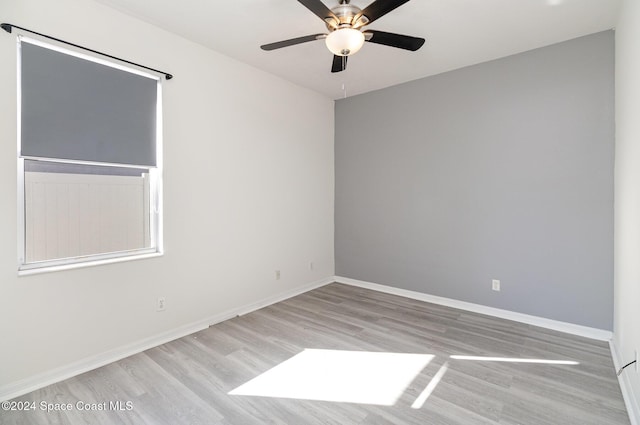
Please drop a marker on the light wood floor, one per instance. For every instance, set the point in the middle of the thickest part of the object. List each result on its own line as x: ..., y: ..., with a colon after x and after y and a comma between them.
x: 188, y: 381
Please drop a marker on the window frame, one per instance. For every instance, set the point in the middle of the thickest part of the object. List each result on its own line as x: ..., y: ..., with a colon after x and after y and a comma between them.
x: 156, y: 236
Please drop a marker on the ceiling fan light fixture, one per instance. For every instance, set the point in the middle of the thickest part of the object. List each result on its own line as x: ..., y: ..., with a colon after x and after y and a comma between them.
x: 344, y: 41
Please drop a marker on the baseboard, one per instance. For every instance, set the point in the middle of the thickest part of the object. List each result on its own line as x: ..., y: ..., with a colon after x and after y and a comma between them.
x: 542, y: 322
x: 248, y: 308
x: 41, y: 380
x: 49, y: 377
x: 630, y: 400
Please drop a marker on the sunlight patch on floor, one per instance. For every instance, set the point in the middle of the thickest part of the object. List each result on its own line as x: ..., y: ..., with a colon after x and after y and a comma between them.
x: 515, y: 360
x: 341, y: 376
x: 424, y: 395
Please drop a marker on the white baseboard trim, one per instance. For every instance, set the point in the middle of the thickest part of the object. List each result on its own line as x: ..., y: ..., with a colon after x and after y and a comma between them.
x: 52, y: 376
x: 630, y: 400
x: 49, y: 377
x: 246, y: 309
x: 542, y: 322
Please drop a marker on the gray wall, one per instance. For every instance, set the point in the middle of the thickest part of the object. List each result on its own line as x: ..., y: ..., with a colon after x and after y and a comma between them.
x: 502, y: 170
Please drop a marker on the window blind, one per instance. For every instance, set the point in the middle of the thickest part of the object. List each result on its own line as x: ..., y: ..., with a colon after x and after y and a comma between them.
x: 77, y: 109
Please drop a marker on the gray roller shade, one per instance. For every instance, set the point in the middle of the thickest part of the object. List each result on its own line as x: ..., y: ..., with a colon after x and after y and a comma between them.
x: 77, y: 109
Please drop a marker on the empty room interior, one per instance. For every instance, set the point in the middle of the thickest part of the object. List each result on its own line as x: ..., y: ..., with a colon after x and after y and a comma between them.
x: 320, y: 212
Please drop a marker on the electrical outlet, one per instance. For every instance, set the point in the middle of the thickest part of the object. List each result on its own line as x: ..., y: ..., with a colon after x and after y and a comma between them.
x: 495, y: 285
x: 161, y: 304
x: 277, y: 274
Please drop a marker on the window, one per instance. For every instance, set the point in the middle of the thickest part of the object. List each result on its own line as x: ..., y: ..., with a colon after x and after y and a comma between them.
x: 89, y: 160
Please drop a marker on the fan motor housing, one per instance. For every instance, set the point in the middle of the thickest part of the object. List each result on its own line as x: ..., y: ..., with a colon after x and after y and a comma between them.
x: 346, y: 12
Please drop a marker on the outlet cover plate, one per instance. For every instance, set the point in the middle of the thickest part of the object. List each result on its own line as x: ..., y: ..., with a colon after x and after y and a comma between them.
x: 495, y: 285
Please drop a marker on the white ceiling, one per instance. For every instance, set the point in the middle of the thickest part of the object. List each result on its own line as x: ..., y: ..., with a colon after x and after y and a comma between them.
x: 458, y: 33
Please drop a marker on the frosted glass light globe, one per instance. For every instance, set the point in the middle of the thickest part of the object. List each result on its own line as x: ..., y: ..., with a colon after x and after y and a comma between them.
x: 344, y: 41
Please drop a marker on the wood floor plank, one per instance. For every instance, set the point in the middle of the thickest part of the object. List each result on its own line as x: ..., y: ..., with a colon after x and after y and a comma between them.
x: 192, y: 380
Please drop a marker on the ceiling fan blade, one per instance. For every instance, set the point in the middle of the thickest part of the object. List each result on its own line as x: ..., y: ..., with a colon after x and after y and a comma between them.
x: 394, y: 40
x: 339, y: 63
x: 291, y: 42
x: 320, y: 10
x: 378, y: 9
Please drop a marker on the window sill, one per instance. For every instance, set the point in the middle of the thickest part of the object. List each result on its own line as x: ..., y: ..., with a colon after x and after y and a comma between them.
x: 31, y: 269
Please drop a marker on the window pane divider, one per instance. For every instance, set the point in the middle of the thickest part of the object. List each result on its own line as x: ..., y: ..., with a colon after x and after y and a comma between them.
x: 81, y: 162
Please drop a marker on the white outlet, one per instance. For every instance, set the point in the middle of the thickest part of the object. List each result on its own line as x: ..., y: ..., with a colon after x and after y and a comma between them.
x: 161, y: 304
x: 495, y: 285
x: 277, y: 274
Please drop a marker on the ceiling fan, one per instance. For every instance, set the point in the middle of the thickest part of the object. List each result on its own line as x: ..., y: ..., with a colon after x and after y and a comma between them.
x: 345, y: 23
